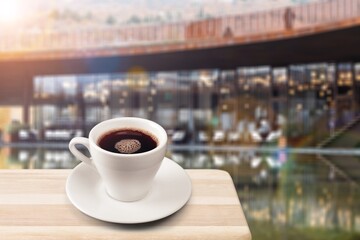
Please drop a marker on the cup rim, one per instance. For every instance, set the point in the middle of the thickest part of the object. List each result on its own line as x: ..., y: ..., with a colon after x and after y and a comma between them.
x: 159, y: 146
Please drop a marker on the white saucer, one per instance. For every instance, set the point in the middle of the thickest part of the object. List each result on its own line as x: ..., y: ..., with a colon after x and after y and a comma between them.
x: 170, y: 191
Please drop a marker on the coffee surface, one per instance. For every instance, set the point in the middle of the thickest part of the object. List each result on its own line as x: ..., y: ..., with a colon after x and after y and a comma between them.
x: 127, y: 141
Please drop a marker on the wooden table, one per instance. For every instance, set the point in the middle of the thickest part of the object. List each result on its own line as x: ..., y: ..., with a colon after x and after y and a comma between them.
x: 34, y: 205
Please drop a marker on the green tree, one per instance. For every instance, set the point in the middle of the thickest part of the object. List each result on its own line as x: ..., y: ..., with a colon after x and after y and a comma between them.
x: 169, y: 16
x: 110, y: 20
x: 201, y: 13
x: 134, y: 19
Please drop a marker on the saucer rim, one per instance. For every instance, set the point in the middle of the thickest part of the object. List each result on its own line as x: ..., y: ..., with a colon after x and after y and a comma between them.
x: 148, y: 220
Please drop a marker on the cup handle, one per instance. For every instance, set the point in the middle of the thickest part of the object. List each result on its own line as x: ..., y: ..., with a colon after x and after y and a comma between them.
x: 85, y: 142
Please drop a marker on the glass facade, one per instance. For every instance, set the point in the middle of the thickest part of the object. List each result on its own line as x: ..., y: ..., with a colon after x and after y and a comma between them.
x: 298, y: 106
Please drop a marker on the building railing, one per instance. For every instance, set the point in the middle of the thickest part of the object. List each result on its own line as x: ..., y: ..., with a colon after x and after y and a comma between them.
x: 233, y: 26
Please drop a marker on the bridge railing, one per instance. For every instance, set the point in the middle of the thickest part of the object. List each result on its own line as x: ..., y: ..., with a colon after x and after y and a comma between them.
x: 228, y: 27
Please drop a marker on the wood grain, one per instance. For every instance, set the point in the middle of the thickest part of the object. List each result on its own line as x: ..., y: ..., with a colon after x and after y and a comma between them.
x: 34, y: 205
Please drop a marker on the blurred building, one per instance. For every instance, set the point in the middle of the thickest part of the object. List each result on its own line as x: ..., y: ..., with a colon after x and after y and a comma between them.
x: 268, y: 77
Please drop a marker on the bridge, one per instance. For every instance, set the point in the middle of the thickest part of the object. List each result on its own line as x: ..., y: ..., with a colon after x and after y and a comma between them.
x: 268, y: 26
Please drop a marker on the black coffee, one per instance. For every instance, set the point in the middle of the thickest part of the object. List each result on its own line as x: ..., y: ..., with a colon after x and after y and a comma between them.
x: 127, y: 141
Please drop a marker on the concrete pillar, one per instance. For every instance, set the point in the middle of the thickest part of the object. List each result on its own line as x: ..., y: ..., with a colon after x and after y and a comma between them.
x: 355, y: 90
x: 27, y: 98
x: 271, y: 114
x: 335, y: 101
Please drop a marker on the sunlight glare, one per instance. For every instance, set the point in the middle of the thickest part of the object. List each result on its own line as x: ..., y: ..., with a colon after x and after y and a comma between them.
x: 9, y: 11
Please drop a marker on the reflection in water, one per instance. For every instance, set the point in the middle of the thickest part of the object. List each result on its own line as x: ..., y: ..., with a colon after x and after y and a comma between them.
x: 287, y: 196
x: 40, y: 158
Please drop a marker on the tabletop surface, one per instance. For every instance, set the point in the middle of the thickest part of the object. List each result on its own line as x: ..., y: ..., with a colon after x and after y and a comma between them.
x: 34, y: 205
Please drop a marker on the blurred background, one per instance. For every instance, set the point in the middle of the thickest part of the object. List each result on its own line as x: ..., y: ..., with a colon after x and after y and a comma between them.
x: 268, y: 90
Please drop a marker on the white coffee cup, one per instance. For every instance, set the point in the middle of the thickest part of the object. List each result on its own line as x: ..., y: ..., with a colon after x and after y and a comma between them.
x: 127, y: 177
